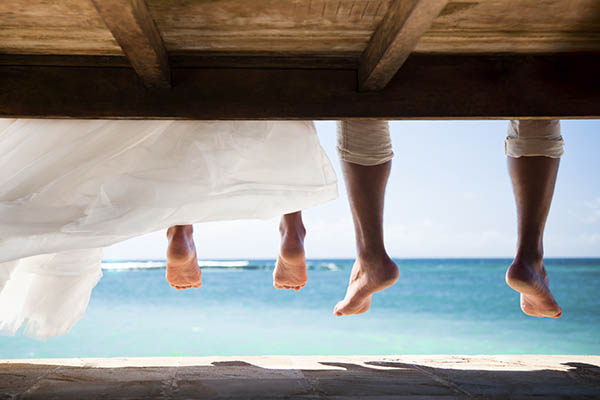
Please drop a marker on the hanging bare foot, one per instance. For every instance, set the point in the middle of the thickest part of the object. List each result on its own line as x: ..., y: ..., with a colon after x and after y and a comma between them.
x: 367, y: 277
x: 182, y: 265
x: 290, y: 270
x: 531, y: 281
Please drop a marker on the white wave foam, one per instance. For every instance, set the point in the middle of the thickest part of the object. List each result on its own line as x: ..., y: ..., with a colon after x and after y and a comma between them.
x: 223, y: 264
x: 121, y: 265
x: 126, y: 265
x: 332, y: 266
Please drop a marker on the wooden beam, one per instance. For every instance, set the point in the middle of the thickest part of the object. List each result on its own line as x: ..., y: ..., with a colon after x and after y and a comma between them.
x: 256, y: 60
x: 203, y: 60
x: 395, y: 38
x: 427, y: 87
x: 64, y: 60
x: 134, y: 29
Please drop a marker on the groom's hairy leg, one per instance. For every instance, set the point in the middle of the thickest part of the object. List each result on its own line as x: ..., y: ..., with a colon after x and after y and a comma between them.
x: 373, y: 269
x: 533, y: 180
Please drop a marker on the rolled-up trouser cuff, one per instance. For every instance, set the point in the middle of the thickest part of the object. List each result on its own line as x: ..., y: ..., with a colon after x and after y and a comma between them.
x: 364, y: 142
x: 528, y: 138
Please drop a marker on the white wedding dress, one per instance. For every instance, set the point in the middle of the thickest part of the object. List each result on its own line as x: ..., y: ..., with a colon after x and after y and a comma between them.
x: 70, y: 187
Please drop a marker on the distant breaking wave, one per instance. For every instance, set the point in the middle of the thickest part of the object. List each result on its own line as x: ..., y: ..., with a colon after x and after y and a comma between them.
x: 214, y: 264
x: 126, y: 265
x: 120, y: 265
x: 223, y: 264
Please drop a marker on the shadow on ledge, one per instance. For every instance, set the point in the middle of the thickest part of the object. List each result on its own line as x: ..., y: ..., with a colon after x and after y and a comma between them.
x: 329, y: 380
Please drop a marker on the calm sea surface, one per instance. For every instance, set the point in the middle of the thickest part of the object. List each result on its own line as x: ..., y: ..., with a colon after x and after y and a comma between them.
x: 438, y: 306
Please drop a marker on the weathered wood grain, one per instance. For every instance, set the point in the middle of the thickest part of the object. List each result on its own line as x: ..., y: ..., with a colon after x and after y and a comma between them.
x: 428, y: 86
x: 515, y: 26
x: 288, y: 27
x: 304, y: 27
x: 395, y: 39
x: 54, y: 27
x: 133, y: 27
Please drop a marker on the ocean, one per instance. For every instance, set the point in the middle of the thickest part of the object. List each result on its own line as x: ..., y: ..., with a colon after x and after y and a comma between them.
x: 439, y: 306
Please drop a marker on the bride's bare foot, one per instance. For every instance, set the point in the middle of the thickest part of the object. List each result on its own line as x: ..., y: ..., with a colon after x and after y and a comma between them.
x: 290, y: 270
x: 182, y: 265
x: 367, y: 277
x: 531, y: 281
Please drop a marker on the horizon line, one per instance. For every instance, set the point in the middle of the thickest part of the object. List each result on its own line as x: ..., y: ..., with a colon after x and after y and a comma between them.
x: 350, y: 258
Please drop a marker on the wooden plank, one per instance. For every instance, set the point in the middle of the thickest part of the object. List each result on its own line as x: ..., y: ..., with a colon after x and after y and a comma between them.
x: 394, y: 40
x: 523, y: 26
x: 345, y: 26
x: 293, y: 28
x: 134, y: 29
x: 428, y: 86
x: 317, y: 27
x: 54, y: 27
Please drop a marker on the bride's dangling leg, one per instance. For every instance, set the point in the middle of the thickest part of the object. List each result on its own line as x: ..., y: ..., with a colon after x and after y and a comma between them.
x: 182, y: 265
x: 290, y: 270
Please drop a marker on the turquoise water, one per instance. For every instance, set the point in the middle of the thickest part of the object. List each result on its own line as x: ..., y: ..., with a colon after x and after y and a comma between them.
x: 438, y: 306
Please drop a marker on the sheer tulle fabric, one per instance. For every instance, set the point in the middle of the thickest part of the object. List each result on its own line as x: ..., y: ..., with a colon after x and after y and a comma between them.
x: 70, y: 187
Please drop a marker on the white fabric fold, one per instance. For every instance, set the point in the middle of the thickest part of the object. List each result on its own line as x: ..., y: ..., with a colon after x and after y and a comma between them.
x: 48, y: 292
x: 70, y: 187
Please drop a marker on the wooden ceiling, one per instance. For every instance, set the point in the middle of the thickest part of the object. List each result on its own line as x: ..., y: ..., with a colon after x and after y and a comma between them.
x: 303, y: 27
x: 373, y: 38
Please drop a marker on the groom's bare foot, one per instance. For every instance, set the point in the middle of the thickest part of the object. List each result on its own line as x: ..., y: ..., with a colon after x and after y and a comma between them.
x: 531, y: 281
x: 182, y: 264
x: 367, y: 277
x: 290, y: 270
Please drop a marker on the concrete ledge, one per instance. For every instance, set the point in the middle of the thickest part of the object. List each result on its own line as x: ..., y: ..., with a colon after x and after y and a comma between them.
x: 305, y: 377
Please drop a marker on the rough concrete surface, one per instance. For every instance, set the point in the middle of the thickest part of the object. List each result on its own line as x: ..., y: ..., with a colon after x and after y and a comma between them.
x: 305, y: 377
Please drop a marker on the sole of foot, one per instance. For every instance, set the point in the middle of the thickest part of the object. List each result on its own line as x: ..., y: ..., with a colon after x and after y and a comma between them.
x: 182, y: 264
x: 290, y: 269
x: 531, y: 281
x: 367, y: 278
x: 289, y: 276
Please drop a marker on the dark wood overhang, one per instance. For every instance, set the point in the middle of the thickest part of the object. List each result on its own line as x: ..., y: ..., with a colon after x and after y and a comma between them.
x: 310, y: 59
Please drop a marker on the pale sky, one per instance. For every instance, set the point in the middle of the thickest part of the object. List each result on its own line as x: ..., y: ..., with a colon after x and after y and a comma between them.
x: 449, y: 195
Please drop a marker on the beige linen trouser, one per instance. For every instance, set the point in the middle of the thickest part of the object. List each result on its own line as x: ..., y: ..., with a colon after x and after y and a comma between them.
x: 368, y: 142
